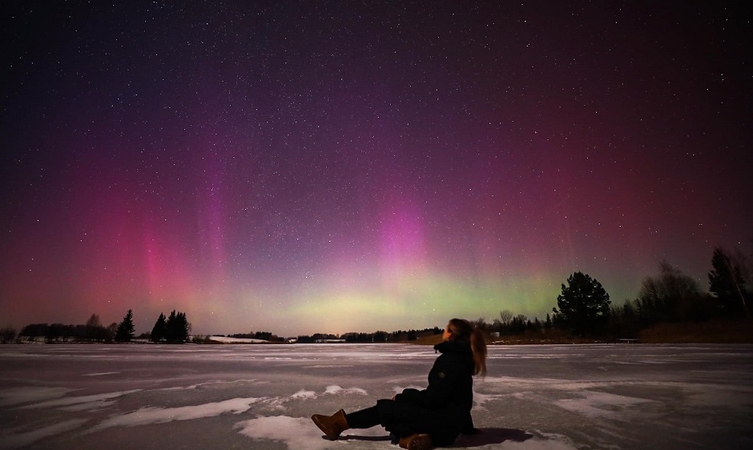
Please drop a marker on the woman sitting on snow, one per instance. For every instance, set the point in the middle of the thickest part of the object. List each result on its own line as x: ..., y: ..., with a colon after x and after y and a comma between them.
x: 419, y: 420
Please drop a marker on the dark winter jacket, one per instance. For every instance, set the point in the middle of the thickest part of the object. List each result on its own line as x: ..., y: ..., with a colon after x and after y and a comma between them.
x: 445, y: 405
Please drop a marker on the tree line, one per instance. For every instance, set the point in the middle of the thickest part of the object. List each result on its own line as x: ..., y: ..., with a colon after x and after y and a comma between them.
x: 375, y: 337
x: 172, y: 329
x: 583, y: 308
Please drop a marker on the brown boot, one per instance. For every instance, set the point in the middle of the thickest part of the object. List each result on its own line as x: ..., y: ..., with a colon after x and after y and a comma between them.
x: 419, y: 441
x: 332, y: 425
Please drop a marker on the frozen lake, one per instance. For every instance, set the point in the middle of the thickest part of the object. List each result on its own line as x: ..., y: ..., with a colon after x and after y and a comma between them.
x: 261, y: 396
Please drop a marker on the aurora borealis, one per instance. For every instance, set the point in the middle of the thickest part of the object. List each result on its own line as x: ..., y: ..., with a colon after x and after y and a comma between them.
x: 322, y: 166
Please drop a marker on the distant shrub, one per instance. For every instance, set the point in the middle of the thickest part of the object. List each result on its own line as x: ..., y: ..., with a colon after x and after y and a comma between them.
x: 7, y: 334
x: 198, y: 339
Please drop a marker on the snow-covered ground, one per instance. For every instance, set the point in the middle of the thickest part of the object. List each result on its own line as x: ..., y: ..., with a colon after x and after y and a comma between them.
x: 261, y: 396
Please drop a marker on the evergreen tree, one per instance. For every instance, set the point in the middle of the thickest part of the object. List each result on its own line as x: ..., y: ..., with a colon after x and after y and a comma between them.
x: 583, y: 304
x: 159, y: 330
x: 177, y: 327
x: 125, y: 329
x: 171, y: 327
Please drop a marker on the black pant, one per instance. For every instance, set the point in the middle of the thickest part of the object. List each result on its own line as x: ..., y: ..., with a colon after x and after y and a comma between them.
x: 365, y: 418
x: 402, y: 419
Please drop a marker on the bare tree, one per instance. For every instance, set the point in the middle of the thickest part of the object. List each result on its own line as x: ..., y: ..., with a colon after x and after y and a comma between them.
x: 728, y: 280
x: 505, y: 317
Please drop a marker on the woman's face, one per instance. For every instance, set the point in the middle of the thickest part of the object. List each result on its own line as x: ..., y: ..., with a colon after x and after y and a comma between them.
x: 447, y: 334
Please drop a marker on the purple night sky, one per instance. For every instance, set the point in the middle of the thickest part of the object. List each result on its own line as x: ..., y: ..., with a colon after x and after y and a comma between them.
x: 322, y: 166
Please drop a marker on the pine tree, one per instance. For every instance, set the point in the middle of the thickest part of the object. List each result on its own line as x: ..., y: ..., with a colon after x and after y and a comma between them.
x: 125, y: 330
x: 583, y: 304
x: 177, y: 327
x: 159, y: 331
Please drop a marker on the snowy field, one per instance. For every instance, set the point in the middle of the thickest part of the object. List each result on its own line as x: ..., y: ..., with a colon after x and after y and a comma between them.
x: 261, y: 396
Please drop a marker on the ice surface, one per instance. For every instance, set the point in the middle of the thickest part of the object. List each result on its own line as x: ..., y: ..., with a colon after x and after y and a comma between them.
x: 261, y: 396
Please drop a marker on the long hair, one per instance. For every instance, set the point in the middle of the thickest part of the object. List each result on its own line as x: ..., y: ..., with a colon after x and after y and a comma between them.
x: 464, y: 330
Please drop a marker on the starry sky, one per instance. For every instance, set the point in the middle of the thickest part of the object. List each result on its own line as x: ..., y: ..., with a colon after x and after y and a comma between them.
x: 335, y: 166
